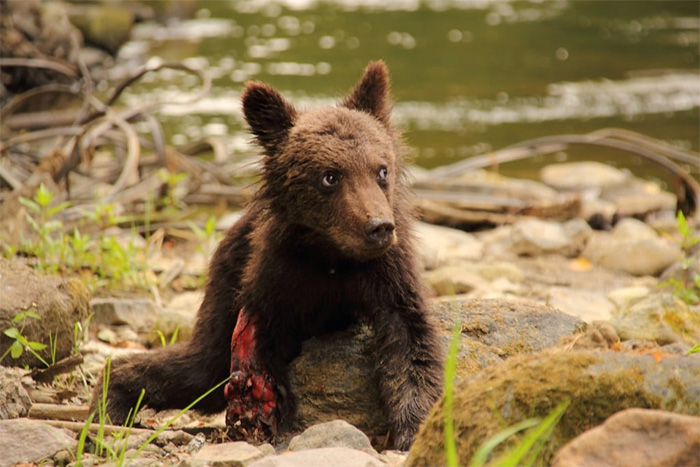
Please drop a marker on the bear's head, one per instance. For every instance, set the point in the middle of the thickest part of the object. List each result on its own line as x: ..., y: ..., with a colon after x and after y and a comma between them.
x: 335, y: 171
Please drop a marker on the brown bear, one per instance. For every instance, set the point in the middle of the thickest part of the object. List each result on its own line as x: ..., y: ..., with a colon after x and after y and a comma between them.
x: 325, y: 242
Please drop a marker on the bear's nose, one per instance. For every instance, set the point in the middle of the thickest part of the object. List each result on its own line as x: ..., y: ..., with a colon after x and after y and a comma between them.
x: 379, y: 230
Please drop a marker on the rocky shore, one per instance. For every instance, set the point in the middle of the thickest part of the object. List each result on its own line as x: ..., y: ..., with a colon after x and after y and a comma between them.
x: 549, y: 310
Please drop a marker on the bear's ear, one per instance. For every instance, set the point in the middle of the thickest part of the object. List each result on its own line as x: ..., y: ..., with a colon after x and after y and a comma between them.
x: 371, y: 93
x: 269, y: 116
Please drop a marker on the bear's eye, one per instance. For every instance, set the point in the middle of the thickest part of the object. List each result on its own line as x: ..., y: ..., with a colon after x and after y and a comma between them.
x: 382, y: 174
x: 329, y: 180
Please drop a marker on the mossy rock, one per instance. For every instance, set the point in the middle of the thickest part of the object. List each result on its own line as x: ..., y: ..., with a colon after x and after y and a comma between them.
x: 60, y: 303
x: 598, y: 384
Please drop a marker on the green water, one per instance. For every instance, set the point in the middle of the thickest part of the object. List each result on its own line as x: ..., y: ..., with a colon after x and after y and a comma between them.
x: 468, y: 76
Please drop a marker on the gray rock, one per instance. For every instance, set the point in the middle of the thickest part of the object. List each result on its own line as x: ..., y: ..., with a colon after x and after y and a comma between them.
x: 633, y: 437
x: 14, y: 399
x: 496, y: 329
x: 60, y: 303
x: 322, y: 457
x: 235, y: 454
x: 597, y: 383
x: 140, y: 314
x: 439, y: 246
x: 333, y: 378
x: 533, y: 237
x: 575, y: 176
x: 662, y: 318
x: 30, y: 441
x: 337, y: 433
x: 632, y: 247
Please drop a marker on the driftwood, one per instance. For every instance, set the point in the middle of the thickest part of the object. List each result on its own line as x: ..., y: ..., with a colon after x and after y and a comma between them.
x: 59, y: 412
x: 687, y: 188
x: 46, y: 375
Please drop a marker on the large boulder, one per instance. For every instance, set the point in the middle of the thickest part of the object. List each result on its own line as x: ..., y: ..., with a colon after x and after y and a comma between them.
x: 60, y: 304
x: 596, y: 383
x: 333, y: 377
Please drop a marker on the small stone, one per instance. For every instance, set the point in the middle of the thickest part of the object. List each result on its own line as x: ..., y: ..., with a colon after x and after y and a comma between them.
x: 196, y: 444
x: 634, y: 437
x: 337, y: 433
x: 322, y: 457
x: 235, y: 454
x: 30, y: 441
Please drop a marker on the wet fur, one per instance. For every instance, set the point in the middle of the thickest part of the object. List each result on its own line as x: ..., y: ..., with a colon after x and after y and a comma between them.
x: 297, y: 262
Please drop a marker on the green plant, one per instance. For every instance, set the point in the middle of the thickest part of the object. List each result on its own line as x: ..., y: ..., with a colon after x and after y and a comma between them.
x: 49, y: 246
x: 207, y: 237
x: 115, y: 451
x: 105, y: 260
x: 695, y: 349
x: 163, y: 341
x: 169, y: 199
x: 20, y: 341
x: 526, y: 451
x: 687, y: 287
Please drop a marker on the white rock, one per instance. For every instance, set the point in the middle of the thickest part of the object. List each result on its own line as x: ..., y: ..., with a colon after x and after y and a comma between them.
x: 632, y: 247
x: 336, y: 433
x: 585, y: 304
x: 439, y: 245
x: 533, y: 237
x: 625, y: 296
x: 581, y: 175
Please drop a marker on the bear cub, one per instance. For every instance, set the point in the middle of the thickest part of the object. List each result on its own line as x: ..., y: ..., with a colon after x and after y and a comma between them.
x: 325, y: 242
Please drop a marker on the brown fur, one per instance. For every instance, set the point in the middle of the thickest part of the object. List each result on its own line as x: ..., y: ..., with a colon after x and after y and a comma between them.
x: 307, y: 258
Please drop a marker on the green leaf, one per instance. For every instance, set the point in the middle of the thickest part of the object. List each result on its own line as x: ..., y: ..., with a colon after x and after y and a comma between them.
x: 58, y: 208
x: 12, y: 333
x: 695, y: 349
x: 36, y: 345
x: 484, y: 451
x: 29, y: 204
x: 43, y: 196
x: 32, y: 314
x: 16, y: 350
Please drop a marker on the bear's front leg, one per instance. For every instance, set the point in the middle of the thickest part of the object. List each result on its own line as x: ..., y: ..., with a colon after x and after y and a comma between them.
x: 252, y: 400
x: 410, y: 369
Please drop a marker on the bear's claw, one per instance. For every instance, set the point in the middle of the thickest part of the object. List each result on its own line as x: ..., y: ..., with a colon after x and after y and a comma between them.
x: 251, y: 414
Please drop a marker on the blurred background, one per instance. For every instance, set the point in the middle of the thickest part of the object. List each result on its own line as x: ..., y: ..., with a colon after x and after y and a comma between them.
x: 469, y: 76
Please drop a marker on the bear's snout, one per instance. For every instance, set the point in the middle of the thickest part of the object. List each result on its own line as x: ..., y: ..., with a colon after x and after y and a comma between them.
x: 380, y: 231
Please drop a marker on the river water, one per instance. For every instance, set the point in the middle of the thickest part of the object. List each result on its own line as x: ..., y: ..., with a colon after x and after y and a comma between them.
x: 469, y: 76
